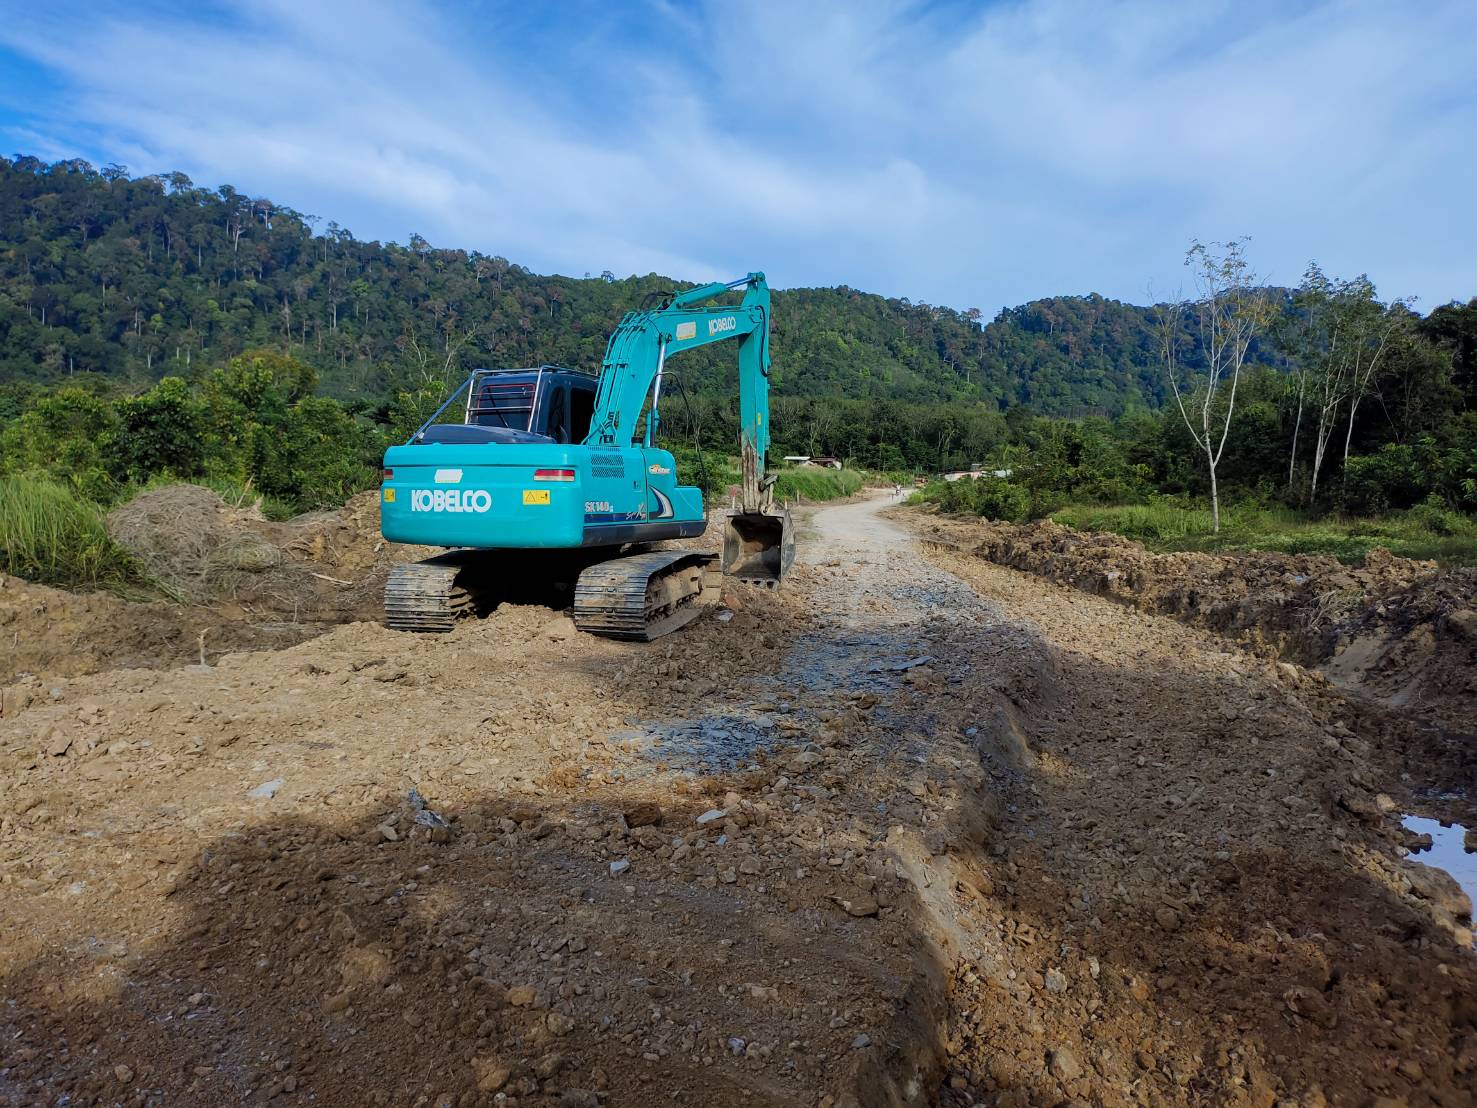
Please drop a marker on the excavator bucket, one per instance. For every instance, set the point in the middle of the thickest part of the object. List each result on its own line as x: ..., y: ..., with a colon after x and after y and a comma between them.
x: 759, y: 547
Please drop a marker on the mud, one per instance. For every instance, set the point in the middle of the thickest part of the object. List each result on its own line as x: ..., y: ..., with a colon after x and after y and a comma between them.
x: 919, y: 829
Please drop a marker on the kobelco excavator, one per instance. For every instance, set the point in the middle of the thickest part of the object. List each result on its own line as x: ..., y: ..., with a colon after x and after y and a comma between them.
x: 553, y: 480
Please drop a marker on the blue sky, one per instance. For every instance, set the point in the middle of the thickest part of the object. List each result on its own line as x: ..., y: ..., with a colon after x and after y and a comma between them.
x: 971, y: 154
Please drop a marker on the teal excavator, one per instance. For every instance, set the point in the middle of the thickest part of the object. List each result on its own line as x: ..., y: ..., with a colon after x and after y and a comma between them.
x: 552, y: 486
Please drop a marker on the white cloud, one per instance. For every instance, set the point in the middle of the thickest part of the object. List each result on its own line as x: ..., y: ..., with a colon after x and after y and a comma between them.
x: 974, y: 157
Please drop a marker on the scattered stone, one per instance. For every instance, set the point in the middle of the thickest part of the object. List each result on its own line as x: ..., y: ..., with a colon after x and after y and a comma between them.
x: 522, y: 996
x: 559, y: 1023
x: 619, y: 866
x: 859, y: 904
x: 644, y: 814
x: 736, y: 1046
x: 1064, y: 1065
x: 266, y: 790
x: 861, y: 1042
x: 805, y: 761
x: 338, y: 1002
x: 1167, y: 918
x: 388, y: 833
x: 123, y: 1073
x: 710, y: 815
x: 60, y: 743
x: 1056, y: 981
x: 490, y: 1073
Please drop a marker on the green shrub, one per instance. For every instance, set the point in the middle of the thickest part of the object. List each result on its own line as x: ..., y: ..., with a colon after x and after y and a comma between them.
x: 816, y: 484
x: 1433, y: 515
x: 52, y: 534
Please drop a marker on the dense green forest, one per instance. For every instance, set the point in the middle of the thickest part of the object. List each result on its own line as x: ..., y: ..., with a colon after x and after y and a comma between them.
x: 151, y: 330
x: 136, y: 278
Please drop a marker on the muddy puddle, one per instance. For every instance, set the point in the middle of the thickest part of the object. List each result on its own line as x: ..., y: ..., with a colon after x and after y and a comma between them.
x: 889, y: 627
x: 1448, y: 851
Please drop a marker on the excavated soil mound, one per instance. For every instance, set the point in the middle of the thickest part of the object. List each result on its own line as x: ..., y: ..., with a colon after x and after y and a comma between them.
x: 1402, y: 631
x: 62, y: 634
x: 314, y: 566
x: 242, y: 581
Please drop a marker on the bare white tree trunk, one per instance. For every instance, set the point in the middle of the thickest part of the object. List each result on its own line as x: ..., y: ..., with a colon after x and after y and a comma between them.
x: 1229, y: 311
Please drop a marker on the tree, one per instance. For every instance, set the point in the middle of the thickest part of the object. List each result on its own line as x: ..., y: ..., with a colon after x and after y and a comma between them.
x: 1338, y: 333
x: 1227, y: 313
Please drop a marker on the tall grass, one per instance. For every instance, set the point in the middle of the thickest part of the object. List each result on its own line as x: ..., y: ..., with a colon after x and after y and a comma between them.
x: 52, y: 534
x: 1422, y: 532
x: 816, y: 484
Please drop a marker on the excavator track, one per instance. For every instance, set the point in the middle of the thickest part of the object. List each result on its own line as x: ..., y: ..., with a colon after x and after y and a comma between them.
x: 425, y: 596
x: 642, y: 596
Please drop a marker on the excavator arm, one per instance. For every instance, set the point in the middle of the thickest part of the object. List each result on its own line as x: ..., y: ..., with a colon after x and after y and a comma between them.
x: 636, y: 357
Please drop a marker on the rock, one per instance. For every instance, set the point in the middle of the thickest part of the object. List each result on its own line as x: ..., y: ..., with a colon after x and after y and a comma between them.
x: 123, y: 1073
x: 724, y: 616
x: 1411, y: 1070
x: 522, y: 996
x: 861, y: 1042
x: 266, y: 790
x: 644, y: 814
x: 805, y: 761
x: 557, y: 630
x: 1463, y: 624
x: 1056, y: 981
x: 388, y: 833
x: 559, y: 1023
x: 338, y: 1002
x: 1439, y: 887
x: 490, y: 1073
x: 736, y: 1046
x: 58, y: 743
x: 710, y: 815
x: 619, y: 866
x: 1064, y: 1065
x: 859, y: 903
x: 1167, y: 918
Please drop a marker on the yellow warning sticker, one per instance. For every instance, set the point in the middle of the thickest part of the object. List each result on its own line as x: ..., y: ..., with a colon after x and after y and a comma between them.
x: 686, y: 331
x: 535, y: 496
x: 389, y: 496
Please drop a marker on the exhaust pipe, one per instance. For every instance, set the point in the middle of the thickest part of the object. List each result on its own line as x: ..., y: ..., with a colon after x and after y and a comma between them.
x: 759, y: 547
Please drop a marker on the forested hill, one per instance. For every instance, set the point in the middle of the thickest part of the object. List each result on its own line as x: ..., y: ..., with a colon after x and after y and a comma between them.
x: 135, y: 278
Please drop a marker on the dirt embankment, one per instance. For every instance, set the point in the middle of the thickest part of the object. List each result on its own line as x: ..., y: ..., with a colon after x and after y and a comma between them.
x: 1402, y: 631
x: 239, y: 582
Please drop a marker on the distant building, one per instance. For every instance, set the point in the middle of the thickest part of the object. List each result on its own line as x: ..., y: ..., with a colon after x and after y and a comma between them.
x: 974, y: 473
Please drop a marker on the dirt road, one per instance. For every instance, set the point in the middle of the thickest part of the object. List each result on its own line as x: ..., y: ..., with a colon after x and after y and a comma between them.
x: 917, y: 829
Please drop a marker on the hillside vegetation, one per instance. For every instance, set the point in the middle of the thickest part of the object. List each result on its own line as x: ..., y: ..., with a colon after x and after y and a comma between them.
x: 135, y: 278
